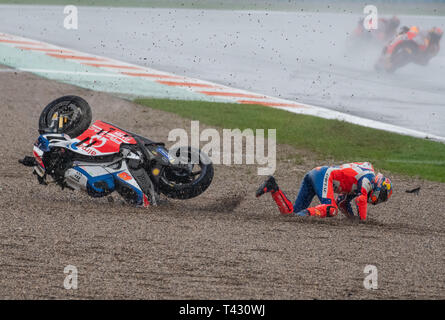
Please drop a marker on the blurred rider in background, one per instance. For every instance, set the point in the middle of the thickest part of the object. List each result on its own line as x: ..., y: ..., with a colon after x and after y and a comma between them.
x: 386, y: 30
x: 421, y: 44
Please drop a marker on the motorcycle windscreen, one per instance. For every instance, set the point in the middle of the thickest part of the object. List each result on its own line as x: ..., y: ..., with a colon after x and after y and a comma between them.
x: 101, y: 138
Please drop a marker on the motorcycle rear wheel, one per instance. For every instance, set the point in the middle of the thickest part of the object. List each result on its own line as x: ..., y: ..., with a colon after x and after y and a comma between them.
x: 69, y: 114
x: 403, y: 54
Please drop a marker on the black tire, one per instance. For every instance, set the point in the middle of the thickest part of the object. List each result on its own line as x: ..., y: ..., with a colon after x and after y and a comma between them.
x: 168, y: 183
x: 403, y: 54
x: 76, y: 108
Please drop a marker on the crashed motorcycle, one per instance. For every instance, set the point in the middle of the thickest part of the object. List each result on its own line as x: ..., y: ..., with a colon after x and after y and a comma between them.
x: 101, y: 158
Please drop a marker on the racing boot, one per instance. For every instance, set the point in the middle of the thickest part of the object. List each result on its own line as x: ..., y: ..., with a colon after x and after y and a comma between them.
x: 270, y: 185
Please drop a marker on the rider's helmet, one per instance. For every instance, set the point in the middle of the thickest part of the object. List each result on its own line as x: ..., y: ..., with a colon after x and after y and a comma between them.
x: 381, y: 189
x: 435, y: 33
x: 414, y: 29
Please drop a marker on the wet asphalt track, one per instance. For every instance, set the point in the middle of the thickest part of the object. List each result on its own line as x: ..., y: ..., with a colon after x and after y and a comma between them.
x: 224, y: 244
x: 298, y: 56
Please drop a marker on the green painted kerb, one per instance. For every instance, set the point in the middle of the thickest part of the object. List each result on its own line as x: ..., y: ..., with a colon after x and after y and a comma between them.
x: 92, y: 77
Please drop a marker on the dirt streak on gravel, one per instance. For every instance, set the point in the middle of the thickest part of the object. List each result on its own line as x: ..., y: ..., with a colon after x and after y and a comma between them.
x: 225, y: 244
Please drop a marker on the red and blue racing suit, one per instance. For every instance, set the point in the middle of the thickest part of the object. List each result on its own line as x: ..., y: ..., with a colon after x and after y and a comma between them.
x: 349, y: 181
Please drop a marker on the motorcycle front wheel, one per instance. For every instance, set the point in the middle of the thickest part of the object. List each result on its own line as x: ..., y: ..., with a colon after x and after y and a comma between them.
x: 187, y: 179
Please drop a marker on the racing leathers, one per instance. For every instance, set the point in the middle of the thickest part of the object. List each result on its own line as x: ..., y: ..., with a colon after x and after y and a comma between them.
x: 420, y: 43
x: 350, y: 182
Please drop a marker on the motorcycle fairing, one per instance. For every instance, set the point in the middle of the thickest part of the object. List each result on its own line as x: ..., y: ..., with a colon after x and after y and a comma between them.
x: 100, y: 139
x: 100, y: 181
x: 126, y: 179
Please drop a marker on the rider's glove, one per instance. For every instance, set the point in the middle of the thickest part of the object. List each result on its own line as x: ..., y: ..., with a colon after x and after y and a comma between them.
x: 344, y: 204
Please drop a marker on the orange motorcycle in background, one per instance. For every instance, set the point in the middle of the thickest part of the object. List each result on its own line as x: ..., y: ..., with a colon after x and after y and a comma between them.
x: 410, y: 46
